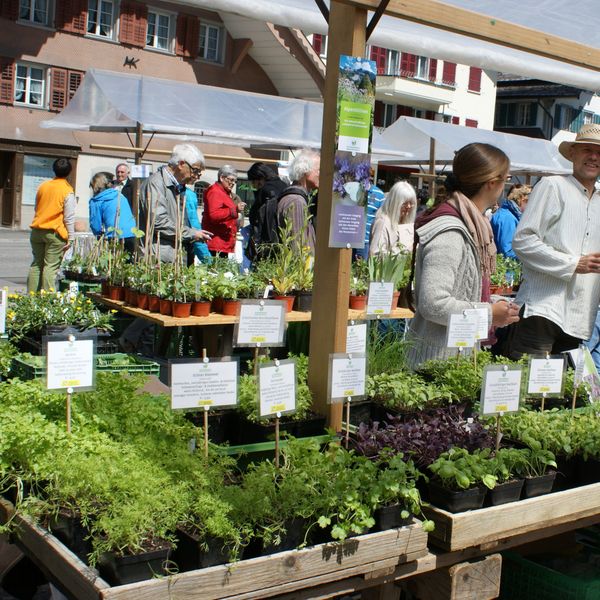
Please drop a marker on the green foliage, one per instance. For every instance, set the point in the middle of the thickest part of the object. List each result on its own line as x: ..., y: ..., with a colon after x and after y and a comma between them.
x: 7, y: 353
x: 388, y: 267
x: 458, y: 469
x: 359, y: 277
x: 508, y: 272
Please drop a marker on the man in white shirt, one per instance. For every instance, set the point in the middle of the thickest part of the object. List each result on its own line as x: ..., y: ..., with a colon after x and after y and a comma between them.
x: 558, y: 243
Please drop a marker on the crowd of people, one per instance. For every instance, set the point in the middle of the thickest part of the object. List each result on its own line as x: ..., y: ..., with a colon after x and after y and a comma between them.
x: 453, y: 238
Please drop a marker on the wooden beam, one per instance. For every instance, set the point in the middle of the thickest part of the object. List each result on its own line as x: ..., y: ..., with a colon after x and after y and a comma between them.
x: 496, y: 31
x: 332, y: 265
x: 241, y: 47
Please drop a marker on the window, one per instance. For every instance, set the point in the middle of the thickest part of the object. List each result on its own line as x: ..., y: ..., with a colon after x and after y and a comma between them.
x: 211, y: 42
x: 422, y: 68
x: 408, y: 65
x: 379, y: 55
x: 158, y: 32
x: 588, y: 118
x: 471, y: 123
x: 29, y: 85
x: 393, y: 63
x: 100, y: 18
x: 34, y: 11
x: 449, y: 74
x: 389, y: 114
x: 474, y: 79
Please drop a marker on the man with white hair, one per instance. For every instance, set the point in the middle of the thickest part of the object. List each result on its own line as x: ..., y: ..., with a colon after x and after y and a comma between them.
x: 122, y: 182
x: 293, y: 204
x: 159, y: 197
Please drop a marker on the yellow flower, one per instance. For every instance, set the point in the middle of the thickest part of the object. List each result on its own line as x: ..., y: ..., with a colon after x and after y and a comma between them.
x: 113, y: 311
x: 51, y: 289
x: 32, y: 293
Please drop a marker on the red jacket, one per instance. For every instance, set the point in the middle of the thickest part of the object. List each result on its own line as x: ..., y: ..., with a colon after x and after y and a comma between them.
x: 220, y: 218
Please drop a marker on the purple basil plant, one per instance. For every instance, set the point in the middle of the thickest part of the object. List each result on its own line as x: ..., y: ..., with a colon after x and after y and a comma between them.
x: 423, y: 436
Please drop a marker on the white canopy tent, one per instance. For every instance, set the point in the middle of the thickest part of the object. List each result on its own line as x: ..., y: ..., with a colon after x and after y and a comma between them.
x: 108, y: 101
x: 527, y: 155
x: 546, y: 16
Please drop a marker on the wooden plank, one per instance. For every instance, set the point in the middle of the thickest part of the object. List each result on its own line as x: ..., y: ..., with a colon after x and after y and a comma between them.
x: 496, y: 31
x: 53, y: 557
x: 286, y: 570
x: 473, y: 528
x: 218, y: 319
x: 464, y: 581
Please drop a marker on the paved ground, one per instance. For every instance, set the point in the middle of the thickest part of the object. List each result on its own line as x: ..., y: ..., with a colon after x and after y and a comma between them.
x: 15, y: 257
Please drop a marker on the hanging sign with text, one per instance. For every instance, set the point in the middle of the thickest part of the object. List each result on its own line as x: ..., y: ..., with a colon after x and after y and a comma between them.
x: 261, y: 323
x: 347, y: 376
x: 546, y: 376
x: 501, y: 389
x: 277, y: 387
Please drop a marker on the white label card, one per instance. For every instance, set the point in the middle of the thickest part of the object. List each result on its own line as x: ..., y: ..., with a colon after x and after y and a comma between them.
x: 462, y: 329
x: 197, y: 384
x: 3, y: 301
x: 277, y: 388
x: 261, y: 323
x: 347, y: 377
x: 501, y: 390
x: 70, y: 364
x: 379, y: 300
x: 546, y: 376
x: 140, y: 171
x: 356, y: 338
x: 483, y: 329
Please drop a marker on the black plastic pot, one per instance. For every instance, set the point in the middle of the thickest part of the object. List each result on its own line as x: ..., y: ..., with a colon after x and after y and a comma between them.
x: 538, y: 486
x: 304, y: 301
x: 389, y: 517
x: 190, y: 554
x: 246, y: 432
x: 119, y: 570
x: 456, y: 501
x: 503, y: 493
x: 314, y: 424
x: 220, y: 424
x: 588, y: 471
x: 294, y: 536
x: 567, y: 473
x: 67, y: 528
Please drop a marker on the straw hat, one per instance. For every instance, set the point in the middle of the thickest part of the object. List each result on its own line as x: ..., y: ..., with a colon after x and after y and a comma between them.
x: 588, y: 134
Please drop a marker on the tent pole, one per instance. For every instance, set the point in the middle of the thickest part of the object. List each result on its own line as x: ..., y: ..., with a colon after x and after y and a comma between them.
x: 139, y: 140
x: 432, y: 167
x: 347, y: 29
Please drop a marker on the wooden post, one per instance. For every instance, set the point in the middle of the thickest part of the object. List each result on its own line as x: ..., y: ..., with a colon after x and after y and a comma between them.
x: 432, y: 167
x: 135, y: 183
x: 347, y: 27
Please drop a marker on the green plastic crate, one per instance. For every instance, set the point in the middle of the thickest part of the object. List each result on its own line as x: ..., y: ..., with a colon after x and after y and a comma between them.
x: 524, y: 579
x: 104, y: 362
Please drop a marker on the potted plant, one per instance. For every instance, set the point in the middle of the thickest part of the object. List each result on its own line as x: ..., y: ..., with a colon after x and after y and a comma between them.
x: 200, y: 291
x: 359, y: 284
x: 460, y: 478
x: 507, y: 465
x: 388, y: 267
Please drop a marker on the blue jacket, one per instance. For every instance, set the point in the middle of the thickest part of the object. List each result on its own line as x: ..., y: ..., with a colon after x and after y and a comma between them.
x: 103, y: 214
x: 504, y: 223
x: 201, y: 251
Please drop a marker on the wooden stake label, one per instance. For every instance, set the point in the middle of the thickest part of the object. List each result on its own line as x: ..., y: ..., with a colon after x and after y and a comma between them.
x: 379, y: 300
x: 501, y: 389
x: 70, y: 362
x: 261, y: 323
x: 347, y: 375
x: 356, y: 338
x: 462, y: 329
x: 277, y: 387
x: 546, y: 376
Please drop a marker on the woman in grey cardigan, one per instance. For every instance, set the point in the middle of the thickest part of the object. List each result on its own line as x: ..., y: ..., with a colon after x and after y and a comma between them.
x: 456, y: 254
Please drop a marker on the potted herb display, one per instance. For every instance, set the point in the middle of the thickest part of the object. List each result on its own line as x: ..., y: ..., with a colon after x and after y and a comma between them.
x: 507, y: 465
x: 359, y: 284
x: 389, y: 267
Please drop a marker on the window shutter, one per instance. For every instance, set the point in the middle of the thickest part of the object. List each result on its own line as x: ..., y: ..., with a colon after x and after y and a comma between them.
x: 317, y: 42
x: 596, y: 120
x: 557, y: 116
x: 471, y: 123
x: 577, y: 122
x: 474, y: 79
x: 404, y: 111
x: 188, y: 33
x: 59, y: 79
x: 455, y: 120
x: 74, y: 81
x: 9, y: 9
x: 133, y: 24
x: 532, y: 114
x: 501, y: 116
x: 71, y: 15
x: 378, y: 114
x: 7, y: 80
x: 379, y: 55
x: 430, y: 115
x: 408, y: 65
x: 449, y: 73
x: 432, y: 69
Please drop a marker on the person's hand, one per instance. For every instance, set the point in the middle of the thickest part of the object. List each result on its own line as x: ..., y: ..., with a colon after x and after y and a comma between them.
x: 590, y: 263
x: 66, y: 246
x: 504, y: 313
x: 202, y: 235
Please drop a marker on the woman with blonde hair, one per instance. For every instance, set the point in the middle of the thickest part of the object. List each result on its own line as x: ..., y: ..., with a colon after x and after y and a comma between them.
x: 456, y: 255
x: 393, y: 228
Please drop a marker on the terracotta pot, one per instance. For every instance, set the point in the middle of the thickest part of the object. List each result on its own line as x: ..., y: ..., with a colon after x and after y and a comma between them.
x: 181, y: 309
x: 201, y: 309
x: 165, y: 306
x: 217, y: 305
x: 358, y: 302
x: 127, y: 295
x: 289, y: 300
x: 395, y: 298
x: 153, y: 303
x: 142, y: 300
x: 104, y: 287
x: 231, y: 307
x: 133, y: 298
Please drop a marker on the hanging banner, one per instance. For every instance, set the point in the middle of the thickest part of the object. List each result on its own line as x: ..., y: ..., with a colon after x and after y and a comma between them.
x: 354, y: 128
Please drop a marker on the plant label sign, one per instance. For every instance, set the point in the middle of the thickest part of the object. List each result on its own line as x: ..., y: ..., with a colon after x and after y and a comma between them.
x: 379, y: 300
x: 483, y: 329
x: 356, y: 338
x: 203, y: 383
x: 463, y: 328
x: 70, y: 363
x: 3, y: 301
x: 347, y: 375
x: 261, y: 323
x: 546, y: 376
x: 277, y: 387
x: 501, y: 389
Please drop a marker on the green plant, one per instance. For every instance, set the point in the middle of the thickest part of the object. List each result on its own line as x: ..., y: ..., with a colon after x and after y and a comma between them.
x: 459, y: 469
x: 7, y: 353
x: 387, y: 267
x: 359, y: 277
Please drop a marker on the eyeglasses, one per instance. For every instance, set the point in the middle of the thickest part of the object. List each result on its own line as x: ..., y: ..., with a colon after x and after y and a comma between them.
x: 194, y: 170
x: 231, y: 179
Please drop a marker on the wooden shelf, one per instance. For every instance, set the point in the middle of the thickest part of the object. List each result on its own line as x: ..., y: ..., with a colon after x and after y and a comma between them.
x: 218, y: 319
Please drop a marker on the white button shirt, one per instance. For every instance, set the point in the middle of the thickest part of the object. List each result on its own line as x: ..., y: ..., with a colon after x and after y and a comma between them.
x: 559, y: 225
